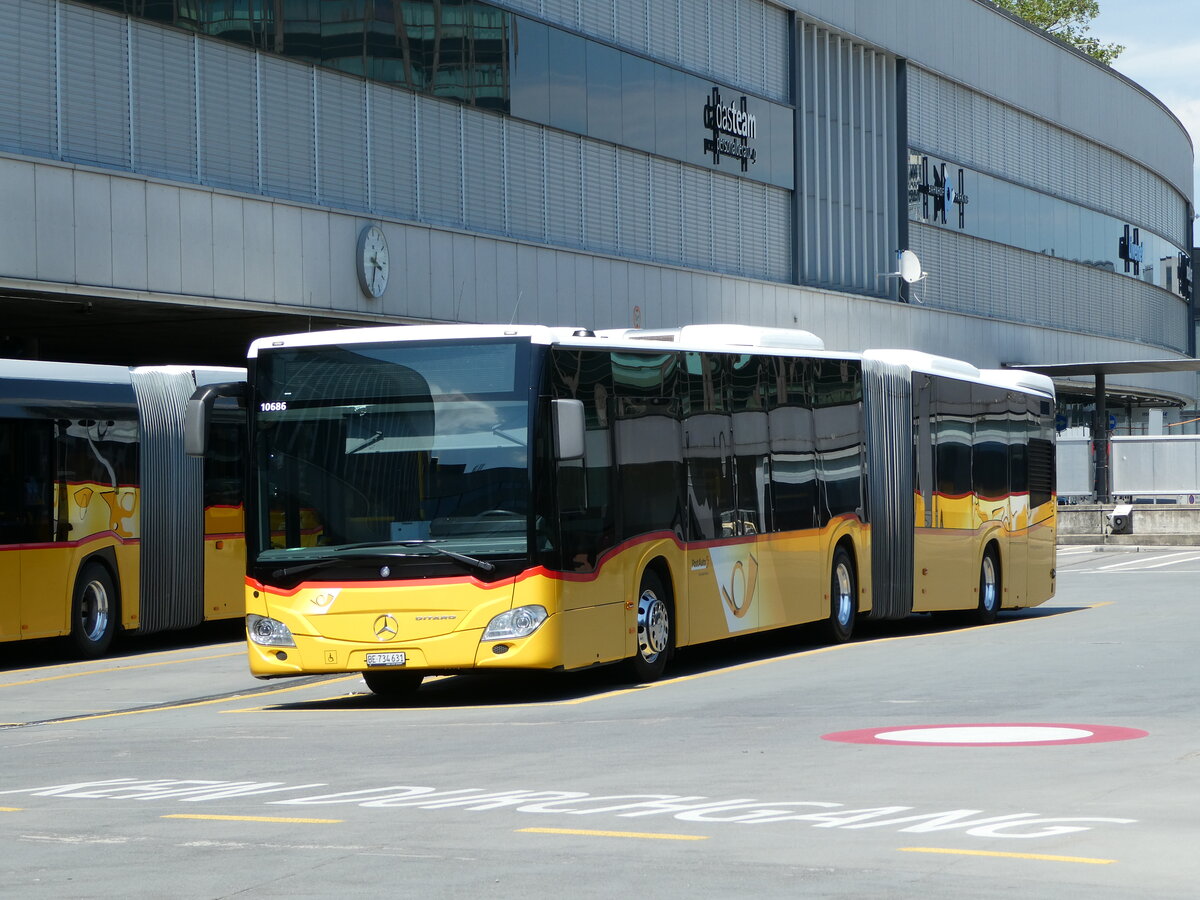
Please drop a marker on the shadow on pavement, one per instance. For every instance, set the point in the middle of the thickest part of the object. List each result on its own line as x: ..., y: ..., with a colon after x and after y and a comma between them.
x: 517, y: 688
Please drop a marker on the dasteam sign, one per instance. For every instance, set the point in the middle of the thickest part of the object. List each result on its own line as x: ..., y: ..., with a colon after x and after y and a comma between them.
x: 731, y: 128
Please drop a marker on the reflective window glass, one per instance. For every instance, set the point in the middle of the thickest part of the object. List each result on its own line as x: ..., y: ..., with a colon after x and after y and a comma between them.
x: 604, y: 120
x: 457, y: 49
x: 997, y: 210
x: 670, y: 108
x: 637, y: 89
x: 568, y: 81
x: 531, y: 70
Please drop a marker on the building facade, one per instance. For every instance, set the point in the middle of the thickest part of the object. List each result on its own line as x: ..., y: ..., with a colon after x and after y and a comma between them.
x: 178, y: 176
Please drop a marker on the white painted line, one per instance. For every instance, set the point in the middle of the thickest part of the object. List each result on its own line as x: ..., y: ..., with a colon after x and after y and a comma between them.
x: 1144, y: 563
x: 1175, y: 562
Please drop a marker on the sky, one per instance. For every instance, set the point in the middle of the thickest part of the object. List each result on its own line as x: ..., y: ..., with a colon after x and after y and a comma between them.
x: 1162, y: 53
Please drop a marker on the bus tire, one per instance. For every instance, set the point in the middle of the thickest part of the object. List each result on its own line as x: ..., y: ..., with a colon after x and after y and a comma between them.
x: 93, y: 611
x: 843, y: 598
x: 393, y: 684
x: 655, y: 630
x: 989, y: 588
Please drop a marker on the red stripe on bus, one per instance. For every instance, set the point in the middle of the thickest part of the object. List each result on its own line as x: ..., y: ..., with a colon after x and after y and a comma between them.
x: 58, y: 545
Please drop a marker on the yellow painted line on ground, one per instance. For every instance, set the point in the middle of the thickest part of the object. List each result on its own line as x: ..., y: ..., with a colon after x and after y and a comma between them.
x: 11, y: 809
x: 621, y: 834
x: 1040, y: 856
x: 152, y: 709
x: 282, y: 819
x: 169, y: 662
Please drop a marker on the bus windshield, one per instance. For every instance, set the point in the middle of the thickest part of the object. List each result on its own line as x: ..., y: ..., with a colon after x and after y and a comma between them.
x: 409, y: 448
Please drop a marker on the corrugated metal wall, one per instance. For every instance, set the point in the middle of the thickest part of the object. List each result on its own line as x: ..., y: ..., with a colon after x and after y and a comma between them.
x: 138, y: 97
x: 740, y: 42
x: 846, y: 114
x: 1005, y: 283
x: 1012, y: 144
x: 172, y: 504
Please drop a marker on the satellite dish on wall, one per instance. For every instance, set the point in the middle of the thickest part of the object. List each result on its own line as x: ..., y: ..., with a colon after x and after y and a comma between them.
x: 909, y: 267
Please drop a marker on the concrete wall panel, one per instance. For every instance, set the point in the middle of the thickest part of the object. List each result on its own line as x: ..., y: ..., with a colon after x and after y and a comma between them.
x: 258, y: 250
x: 231, y: 253
x: 343, y: 237
x: 18, y: 232
x: 129, y: 232
x: 314, y: 259
x: 274, y: 244
x: 196, y: 242
x: 54, y: 224
x: 164, y: 260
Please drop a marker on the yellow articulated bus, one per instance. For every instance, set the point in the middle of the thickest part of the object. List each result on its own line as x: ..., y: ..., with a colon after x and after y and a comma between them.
x: 105, y: 523
x: 436, y: 499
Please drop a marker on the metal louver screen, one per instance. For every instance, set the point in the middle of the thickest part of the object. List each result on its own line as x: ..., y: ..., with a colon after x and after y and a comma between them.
x: 887, y: 395
x: 164, y: 102
x: 342, y: 141
x: 27, y: 122
x: 95, y: 94
x: 172, y: 566
x: 288, y: 149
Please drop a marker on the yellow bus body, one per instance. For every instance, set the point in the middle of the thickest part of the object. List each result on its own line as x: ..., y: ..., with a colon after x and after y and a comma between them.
x: 720, y: 589
x: 44, y: 575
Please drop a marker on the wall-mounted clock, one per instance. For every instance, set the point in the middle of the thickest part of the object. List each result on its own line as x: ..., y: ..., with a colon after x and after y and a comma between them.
x: 372, y: 259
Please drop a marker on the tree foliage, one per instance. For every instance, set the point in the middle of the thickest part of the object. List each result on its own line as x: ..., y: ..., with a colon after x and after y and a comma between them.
x: 1067, y: 20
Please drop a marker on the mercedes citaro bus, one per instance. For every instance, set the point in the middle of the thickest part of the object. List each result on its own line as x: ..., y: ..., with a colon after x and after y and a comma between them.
x: 437, y: 499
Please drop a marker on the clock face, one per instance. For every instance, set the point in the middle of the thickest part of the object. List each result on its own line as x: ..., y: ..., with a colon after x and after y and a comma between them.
x: 372, y: 261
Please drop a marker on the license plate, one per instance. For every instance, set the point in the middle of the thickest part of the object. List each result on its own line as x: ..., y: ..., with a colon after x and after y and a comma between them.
x: 385, y: 659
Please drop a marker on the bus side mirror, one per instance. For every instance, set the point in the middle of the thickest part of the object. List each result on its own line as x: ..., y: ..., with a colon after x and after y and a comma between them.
x: 199, y: 410
x: 569, y: 429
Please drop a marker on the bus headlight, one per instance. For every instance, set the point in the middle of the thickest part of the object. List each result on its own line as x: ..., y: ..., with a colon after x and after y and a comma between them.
x: 268, y: 632
x: 516, y: 623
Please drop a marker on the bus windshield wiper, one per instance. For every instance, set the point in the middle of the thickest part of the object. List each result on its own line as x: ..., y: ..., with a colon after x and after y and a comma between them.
x: 481, y: 564
x: 373, y: 439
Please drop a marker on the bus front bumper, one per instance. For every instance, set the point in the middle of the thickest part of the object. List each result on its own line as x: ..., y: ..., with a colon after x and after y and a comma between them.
x: 456, y: 651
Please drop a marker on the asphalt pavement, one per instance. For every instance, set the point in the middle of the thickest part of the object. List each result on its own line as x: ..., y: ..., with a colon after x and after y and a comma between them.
x: 1054, y: 753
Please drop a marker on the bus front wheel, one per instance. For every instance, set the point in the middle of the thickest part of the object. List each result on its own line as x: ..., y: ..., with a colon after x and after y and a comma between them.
x: 843, y: 598
x: 989, y: 588
x: 392, y: 684
x: 93, y: 611
x: 655, y: 630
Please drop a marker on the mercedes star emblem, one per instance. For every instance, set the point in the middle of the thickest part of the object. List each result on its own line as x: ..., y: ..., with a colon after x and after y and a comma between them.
x: 385, y: 627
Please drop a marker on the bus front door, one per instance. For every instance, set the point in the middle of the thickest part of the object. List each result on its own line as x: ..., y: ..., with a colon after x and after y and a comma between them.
x: 722, y: 563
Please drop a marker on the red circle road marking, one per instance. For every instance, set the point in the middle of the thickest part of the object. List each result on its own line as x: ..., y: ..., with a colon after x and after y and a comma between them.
x: 987, y: 735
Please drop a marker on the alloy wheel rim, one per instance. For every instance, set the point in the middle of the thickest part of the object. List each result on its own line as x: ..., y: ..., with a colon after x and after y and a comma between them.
x: 845, y: 601
x: 94, y: 611
x: 653, y: 626
x: 989, y: 584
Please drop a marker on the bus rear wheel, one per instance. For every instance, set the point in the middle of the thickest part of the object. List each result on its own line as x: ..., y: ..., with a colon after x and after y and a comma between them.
x: 393, y: 684
x: 93, y: 611
x: 655, y: 630
x: 843, y: 598
x: 989, y: 588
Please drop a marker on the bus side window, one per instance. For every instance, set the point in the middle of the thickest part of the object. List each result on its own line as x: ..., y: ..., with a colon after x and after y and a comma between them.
x: 223, y: 476
x: 26, y: 481
x: 584, y: 487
